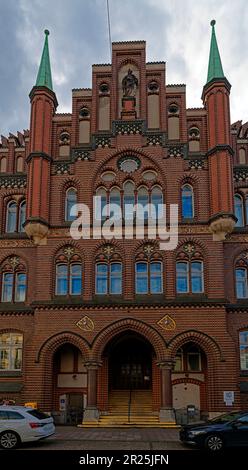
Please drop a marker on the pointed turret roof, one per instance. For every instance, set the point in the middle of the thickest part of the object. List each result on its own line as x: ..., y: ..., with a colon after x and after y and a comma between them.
x: 44, y: 77
x: 215, y: 69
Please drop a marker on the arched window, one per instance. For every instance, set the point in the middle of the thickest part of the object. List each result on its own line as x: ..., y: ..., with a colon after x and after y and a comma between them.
x: 157, y: 201
x: 187, y: 202
x: 189, y: 276
x: 115, y: 199
x: 239, y: 210
x: 3, y: 165
x: 70, y: 201
x: 20, y: 165
x: 243, y: 347
x: 148, y: 277
x: 22, y: 216
x: 129, y: 200
x: 68, y: 279
x: 242, y: 156
x: 108, y: 278
x: 15, y: 216
x: 100, y: 203
x: 11, y: 351
x: 11, y: 221
x: 13, y: 280
x: 241, y: 283
x: 143, y: 201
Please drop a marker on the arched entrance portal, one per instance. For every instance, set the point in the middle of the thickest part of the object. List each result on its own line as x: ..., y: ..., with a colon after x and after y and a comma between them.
x: 130, y: 367
x: 69, y: 384
x: 130, y: 362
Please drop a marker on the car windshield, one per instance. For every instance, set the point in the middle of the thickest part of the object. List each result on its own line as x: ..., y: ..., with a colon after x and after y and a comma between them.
x: 226, y: 418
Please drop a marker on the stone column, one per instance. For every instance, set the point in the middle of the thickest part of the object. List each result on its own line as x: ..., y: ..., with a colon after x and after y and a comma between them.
x: 166, y: 413
x: 91, y: 413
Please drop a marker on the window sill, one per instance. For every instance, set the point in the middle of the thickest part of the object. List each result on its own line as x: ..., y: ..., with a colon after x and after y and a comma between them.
x: 187, y: 372
x: 190, y: 296
x: 10, y: 373
x: 65, y: 299
x: 14, y: 235
x: 242, y: 229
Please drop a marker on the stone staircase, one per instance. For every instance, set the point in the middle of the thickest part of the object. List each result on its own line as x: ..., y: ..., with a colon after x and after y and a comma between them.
x: 141, y: 413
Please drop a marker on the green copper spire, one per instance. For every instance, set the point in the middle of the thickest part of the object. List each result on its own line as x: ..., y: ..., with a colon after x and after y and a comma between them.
x: 215, y: 69
x: 44, y: 77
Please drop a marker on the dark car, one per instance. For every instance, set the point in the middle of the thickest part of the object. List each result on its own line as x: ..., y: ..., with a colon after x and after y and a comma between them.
x: 229, y: 429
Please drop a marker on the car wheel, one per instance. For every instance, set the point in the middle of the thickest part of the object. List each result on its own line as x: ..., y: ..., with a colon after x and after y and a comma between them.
x: 9, y: 440
x: 214, y: 443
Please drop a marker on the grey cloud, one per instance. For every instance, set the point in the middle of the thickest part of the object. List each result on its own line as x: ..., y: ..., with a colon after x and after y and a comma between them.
x: 79, y: 37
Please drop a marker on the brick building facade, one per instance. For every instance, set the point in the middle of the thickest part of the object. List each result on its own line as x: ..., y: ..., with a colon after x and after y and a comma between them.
x: 84, y: 321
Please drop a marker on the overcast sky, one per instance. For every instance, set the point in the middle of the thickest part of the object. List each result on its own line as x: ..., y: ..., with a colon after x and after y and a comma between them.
x: 177, y: 31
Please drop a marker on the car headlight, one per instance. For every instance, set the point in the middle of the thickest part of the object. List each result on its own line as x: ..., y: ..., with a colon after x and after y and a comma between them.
x: 196, y: 433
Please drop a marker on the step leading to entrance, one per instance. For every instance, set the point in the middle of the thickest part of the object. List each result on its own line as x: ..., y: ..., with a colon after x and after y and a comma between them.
x: 141, y: 413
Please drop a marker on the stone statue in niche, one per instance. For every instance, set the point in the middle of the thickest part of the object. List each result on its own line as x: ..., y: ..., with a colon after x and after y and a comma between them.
x: 129, y: 84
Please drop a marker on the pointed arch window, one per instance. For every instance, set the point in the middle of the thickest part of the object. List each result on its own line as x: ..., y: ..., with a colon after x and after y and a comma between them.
x: 11, y: 217
x: 22, y: 216
x: 70, y: 201
x: 129, y: 200
x: 157, y: 201
x: 187, y: 201
x: 14, y: 281
x: 143, y: 201
x: 148, y: 277
x: 108, y: 278
x: 239, y: 210
x: 100, y: 204
x: 15, y: 216
x: 115, y: 199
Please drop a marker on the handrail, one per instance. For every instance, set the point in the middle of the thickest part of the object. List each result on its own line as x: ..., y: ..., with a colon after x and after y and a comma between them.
x: 129, y: 405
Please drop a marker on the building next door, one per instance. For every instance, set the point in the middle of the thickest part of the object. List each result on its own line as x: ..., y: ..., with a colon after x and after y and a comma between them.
x: 130, y: 363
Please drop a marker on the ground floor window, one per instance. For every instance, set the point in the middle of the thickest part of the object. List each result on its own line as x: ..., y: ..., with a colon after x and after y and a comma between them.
x: 11, y: 351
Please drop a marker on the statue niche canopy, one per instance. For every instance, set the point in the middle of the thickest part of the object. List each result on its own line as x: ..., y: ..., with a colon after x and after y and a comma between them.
x: 129, y: 84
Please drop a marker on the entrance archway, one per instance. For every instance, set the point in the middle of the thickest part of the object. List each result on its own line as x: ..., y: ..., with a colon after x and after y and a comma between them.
x: 130, y: 362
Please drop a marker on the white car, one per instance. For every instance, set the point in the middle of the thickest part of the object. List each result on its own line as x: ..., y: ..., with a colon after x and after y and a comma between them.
x: 23, y: 424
